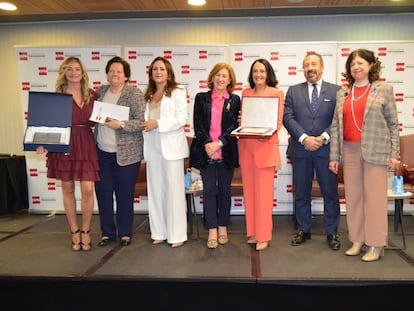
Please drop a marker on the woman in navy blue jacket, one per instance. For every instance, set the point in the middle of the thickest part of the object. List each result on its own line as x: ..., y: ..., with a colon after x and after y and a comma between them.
x: 213, y: 151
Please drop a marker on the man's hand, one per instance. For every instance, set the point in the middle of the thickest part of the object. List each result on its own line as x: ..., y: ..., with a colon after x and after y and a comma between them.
x: 313, y: 143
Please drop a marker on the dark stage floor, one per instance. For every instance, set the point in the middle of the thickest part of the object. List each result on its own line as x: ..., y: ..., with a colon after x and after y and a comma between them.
x: 39, y: 271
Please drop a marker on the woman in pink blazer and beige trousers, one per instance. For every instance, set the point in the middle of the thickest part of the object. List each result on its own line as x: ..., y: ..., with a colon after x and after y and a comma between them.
x: 259, y: 158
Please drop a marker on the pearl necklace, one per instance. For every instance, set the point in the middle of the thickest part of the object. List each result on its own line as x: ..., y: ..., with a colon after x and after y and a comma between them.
x: 353, y: 99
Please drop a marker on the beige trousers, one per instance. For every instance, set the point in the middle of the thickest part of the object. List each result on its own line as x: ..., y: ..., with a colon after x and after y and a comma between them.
x: 366, y: 198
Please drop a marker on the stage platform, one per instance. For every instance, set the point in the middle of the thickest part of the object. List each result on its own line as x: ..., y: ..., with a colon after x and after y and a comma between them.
x: 38, y: 270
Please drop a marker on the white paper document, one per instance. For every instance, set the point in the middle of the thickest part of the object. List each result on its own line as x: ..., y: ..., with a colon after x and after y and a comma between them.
x: 102, y: 111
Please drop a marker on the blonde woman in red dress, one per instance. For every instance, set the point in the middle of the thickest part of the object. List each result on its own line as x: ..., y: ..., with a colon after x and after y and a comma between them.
x: 81, y: 163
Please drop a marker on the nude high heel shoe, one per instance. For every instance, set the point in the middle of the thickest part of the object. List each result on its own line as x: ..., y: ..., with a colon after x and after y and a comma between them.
x: 261, y: 245
x: 373, y: 253
x: 355, y: 249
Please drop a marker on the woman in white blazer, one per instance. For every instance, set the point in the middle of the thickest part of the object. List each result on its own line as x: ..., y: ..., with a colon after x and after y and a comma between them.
x: 165, y: 147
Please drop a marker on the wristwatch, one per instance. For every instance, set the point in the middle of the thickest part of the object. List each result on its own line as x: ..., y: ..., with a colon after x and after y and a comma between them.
x: 122, y: 124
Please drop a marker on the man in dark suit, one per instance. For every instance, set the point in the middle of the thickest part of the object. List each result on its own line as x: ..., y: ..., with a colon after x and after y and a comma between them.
x: 309, y: 108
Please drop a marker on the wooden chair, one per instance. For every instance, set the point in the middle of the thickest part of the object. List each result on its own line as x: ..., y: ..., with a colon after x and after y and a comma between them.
x: 406, y: 159
x: 236, y: 183
x: 141, y: 183
x: 316, y: 189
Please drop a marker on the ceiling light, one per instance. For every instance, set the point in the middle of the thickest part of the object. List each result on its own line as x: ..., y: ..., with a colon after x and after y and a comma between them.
x: 196, y: 2
x: 7, y: 6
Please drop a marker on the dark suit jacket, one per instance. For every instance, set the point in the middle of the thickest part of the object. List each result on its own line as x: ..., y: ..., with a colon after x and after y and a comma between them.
x: 201, y: 121
x: 298, y: 117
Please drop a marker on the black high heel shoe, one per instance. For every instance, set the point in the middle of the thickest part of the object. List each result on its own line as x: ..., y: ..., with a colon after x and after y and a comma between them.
x: 105, y: 241
x: 86, y: 246
x: 125, y: 241
x: 76, y: 246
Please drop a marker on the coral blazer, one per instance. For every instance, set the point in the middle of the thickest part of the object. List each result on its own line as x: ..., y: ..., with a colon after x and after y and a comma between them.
x: 267, y: 153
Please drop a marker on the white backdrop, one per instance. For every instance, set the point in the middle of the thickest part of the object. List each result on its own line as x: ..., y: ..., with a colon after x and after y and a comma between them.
x: 38, y: 67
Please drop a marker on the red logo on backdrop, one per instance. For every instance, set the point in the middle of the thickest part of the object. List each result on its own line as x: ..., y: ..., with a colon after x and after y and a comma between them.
x: 33, y: 172
x: 133, y: 83
x: 59, y: 55
x: 96, y: 55
x: 132, y: 54
x: 238, y: 86
x: 25, y: 115
x: 310, y: 52
x: 202, y: 84
x: 401, y: 127
x: 400, y: 66
x: 382, y: 51
x: 23, y: 56
x: 274, y: 55
x: 382, y: 79
x: 185, y: 69
x: 187, y: 128
x: 345, y: 52
x: 25, y: 86
x: 188, y: 98
x: 344, y: 82
x: 289, y: 188
x: 238, y: 56
x: 238, y: 202
x: 292, y: 71
x: 274, y: 202
x: 399, y: 97
x: 137, y: 200
x: 202, y: 54
x: 342, y: 201
x: 147, y: 69
x: 167, y: 54
x: 413, y: 112
x: 96, y: 84
x: 42, y: 71
x: 36, y: 199
x: 51, y: 186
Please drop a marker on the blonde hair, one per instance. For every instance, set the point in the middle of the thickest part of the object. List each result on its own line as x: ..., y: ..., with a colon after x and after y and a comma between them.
x: 61, y: 82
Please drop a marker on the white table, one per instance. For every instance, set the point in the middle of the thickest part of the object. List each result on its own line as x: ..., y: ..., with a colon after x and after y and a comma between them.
x: 191, y: 209
x: 398, y: 212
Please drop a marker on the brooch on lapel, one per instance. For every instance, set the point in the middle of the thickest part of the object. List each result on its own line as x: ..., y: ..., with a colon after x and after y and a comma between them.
x: 227, y: 104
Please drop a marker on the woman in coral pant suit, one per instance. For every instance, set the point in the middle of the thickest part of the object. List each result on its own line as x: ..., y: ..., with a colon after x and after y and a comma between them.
x: 259, y: 159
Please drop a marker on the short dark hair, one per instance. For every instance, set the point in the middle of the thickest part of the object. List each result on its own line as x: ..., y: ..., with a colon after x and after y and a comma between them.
x: 124, y: 63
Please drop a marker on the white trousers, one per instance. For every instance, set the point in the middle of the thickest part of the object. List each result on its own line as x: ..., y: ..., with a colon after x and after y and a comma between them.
x: 167, y: 206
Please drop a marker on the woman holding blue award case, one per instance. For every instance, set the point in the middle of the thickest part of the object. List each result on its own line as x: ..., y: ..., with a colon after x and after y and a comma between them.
x: 81, y: 163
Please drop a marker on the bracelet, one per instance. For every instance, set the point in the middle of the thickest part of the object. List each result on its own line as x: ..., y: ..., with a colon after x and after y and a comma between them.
x: 220, y: 143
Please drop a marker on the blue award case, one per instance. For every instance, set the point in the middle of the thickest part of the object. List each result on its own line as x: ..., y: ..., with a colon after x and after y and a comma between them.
x: 49, y: 121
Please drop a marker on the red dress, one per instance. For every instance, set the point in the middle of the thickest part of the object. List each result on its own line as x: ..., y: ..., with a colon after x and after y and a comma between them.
x: 81, y: 163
